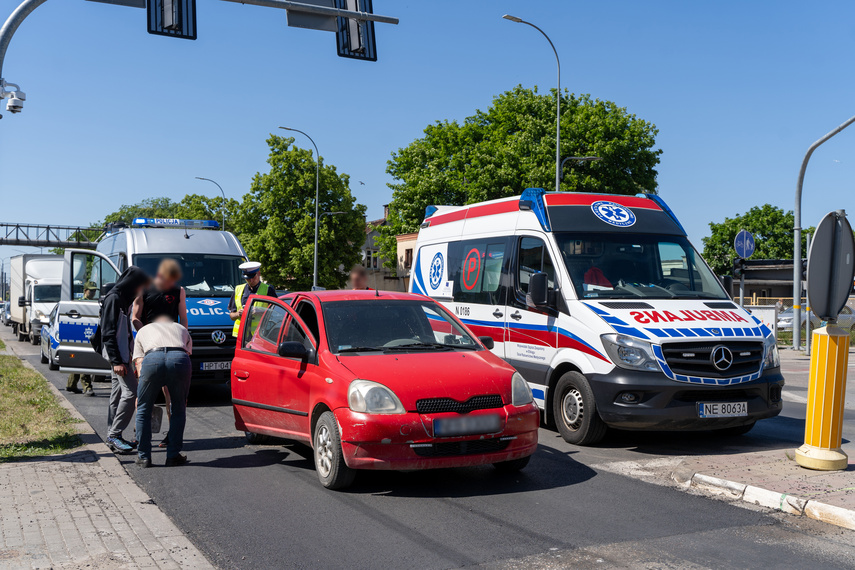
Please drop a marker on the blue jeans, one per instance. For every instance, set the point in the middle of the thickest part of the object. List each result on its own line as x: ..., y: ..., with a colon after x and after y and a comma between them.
x: 163, y: 368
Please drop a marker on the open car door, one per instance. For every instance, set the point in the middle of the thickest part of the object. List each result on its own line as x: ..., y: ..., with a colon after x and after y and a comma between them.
x: 85, y: 275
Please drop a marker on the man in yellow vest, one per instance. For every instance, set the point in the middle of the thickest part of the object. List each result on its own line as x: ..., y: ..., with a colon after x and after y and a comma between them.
x: 253, y: 286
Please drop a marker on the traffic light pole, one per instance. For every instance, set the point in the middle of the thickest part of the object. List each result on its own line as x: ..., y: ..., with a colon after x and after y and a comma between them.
x: 742, y: 288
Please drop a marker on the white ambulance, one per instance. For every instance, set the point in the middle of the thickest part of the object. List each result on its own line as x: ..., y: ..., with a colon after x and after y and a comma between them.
x: 605, y: 308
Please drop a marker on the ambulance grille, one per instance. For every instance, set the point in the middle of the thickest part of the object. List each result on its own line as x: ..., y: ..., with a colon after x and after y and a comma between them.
x: 694, y: 358
x: 445, y: 405
x: 473, y: 447
x: 626, y: 304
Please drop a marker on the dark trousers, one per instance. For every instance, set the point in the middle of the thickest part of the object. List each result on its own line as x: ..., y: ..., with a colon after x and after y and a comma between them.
x: 163, y: 368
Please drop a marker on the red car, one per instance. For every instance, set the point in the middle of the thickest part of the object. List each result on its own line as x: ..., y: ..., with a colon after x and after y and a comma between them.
x: 378, y: 380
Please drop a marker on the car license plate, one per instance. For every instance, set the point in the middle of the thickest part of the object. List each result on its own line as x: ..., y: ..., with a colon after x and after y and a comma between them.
x: 466, y: 425
x: 217, y: 365
x: 722, y: 409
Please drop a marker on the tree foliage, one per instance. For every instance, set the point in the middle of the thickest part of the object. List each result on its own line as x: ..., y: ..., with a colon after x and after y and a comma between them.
x: 511, y: 146
x: 773, y: 235
x: 276, y: 220
x: 190, y: 207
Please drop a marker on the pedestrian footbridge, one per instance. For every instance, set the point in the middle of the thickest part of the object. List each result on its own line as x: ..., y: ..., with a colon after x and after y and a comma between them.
x: 40, y: 235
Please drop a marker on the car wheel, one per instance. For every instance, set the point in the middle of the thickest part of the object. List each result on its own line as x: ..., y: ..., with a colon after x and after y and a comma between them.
x: 735, y: 431
x: 52, y: 365
x: 22, y: 336
x: 44, y: 358
x: 575, y: 410
x: 254, y: 438
x: 35, y: 339
x: 513, y: 465
x: 329, y: 459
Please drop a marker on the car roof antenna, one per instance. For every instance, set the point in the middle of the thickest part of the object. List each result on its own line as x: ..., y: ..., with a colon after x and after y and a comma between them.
x: 376, y: 292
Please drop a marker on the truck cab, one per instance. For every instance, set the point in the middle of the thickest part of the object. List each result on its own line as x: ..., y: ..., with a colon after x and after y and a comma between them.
x: 35, y: 288
x: 209, y: 260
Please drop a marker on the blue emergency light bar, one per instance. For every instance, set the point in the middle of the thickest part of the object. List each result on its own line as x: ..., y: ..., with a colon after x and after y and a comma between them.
x: 175, y: 223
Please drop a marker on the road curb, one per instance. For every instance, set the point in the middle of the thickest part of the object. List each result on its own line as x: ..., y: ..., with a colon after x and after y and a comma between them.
x: 784, y: 502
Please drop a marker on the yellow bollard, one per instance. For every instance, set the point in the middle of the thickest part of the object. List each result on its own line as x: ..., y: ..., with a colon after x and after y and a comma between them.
x: 826, y: 395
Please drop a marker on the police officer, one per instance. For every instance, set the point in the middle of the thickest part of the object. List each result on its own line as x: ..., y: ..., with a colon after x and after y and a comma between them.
x: 253, y: 286
x: 90, y: 292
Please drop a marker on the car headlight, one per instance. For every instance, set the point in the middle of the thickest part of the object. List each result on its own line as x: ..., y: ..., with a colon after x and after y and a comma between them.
x: 40, y: 315
x: 771, y: 358
x: 520, y: 392
x: 630, y: 353
x: 373, y: 398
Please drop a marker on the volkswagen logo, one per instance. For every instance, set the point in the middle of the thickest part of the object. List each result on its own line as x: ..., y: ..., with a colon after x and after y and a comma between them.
x: 219, y: 337
x: 721, y: 357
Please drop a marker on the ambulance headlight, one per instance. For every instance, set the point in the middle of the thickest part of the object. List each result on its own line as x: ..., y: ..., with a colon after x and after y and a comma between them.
x: 372, y: 398
x: 520, y: 392
x: 771, y: 358
x: 630, y: 353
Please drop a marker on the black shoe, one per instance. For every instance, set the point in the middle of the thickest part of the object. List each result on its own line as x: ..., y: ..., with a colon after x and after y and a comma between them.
x: 144, y: 463
x: 74, y: 390
x: 176, y: 461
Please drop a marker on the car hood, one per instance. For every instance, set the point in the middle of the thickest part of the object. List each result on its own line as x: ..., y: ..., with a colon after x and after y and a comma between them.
x: 457, y: 375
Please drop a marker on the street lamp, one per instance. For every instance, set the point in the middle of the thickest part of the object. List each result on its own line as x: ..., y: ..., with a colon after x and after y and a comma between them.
x: 224, y: 198
x: 317, y: 199
x: 557, y: 100
x: 578, y: 159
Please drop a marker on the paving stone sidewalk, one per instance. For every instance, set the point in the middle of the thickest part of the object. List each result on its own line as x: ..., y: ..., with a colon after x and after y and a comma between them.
x: 83, y: 510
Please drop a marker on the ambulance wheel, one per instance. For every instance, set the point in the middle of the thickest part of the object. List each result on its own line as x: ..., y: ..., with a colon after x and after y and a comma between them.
x: 735, y: 431
x: 575, y: 410
x: 333, y: 472
x: 513, y: 465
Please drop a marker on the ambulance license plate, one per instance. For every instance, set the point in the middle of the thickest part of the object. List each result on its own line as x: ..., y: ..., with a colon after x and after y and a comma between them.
x: 467, y: 425
x: 722, y: 409
x: 217, y: 365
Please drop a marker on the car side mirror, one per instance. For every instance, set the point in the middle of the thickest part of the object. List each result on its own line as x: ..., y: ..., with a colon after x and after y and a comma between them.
x: 292, y: 349
x: 487, y: 341
x: 538, y: 290
x: 22, y: 301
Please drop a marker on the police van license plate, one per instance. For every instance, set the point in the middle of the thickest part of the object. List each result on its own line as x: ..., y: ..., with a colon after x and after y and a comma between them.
x: 217, y: 365
x: 466, y: 425
x: 722, y: 409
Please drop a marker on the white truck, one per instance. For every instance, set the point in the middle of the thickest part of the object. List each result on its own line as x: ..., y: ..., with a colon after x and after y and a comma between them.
x: 35, y: 283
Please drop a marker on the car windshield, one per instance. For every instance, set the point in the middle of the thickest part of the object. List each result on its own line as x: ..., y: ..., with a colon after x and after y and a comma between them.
x: 392, y: 326
x: 205, y: 275
x: 619, y: 266
x: 46, y: 293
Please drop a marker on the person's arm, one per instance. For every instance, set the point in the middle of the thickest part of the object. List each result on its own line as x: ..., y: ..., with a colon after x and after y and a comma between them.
x: 234, y: 314
x: 271, y: 292
x: 137, y: 312
x: 188, y: 342
x: 109, y: 317
x: 182, y: 308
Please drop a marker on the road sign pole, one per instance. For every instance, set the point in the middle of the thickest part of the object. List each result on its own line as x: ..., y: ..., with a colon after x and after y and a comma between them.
x: 742, y: 288
x: 808, y: 327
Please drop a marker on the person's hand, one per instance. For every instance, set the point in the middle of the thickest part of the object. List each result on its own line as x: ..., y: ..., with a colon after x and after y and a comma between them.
x: 240, y: 312
x: 120, y: 369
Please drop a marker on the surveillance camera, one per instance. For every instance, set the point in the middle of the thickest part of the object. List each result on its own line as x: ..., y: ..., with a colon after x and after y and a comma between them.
x: 15, y: 104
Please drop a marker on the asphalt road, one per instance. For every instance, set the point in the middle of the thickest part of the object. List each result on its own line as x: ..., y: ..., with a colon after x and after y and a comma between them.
x: 249, y: 506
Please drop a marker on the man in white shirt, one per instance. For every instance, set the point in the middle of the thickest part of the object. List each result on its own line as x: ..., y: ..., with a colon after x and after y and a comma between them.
x: 162, y: 358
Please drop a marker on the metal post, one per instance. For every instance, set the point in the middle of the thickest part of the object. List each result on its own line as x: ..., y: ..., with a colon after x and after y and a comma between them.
x: 742, y: 287
x: 224, y: 198
x: 317, y: 200
x: 557, y: 100
x: 797, y: 235
x: 12, y: 22
x: 807, y: 308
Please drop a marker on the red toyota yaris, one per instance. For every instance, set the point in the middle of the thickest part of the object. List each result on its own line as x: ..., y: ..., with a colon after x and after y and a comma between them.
x: 378, y: 380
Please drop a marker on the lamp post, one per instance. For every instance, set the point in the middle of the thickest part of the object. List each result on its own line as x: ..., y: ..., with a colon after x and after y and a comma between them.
x: 224, y: 198
x: 578, y: 159
x: 317, y: 186
x: 557, y: 100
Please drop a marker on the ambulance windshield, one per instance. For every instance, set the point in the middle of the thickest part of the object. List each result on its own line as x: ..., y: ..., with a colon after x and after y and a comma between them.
x: 619, y: 266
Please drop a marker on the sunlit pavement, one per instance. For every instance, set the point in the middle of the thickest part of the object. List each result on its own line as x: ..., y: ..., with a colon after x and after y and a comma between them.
x: 262, y: 506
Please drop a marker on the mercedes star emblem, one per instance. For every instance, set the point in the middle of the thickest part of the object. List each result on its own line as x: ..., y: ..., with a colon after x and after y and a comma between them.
x: 219, y: 337
x: 721, y: 357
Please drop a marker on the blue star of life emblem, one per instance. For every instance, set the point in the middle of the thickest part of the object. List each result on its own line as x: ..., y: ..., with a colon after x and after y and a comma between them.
x: 436, y: 270
x: 613, y: 214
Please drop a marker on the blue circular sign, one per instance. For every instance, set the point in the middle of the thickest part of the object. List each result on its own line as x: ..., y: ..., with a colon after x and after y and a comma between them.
x: 744, y: 244
x: 437, y: 266
x: 613, y: 214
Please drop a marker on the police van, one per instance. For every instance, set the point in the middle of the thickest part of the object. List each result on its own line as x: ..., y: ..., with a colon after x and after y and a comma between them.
x: 605, y: 308
x: 209, y: 261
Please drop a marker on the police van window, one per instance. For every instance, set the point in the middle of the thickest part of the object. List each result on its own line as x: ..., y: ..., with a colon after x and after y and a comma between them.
x: 534, y: 258
x: 476, y: 271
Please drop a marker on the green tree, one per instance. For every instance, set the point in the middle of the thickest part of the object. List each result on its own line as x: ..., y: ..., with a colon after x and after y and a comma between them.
x: 276, y: 220
x: 148, y: 208
x: 190, y: 207
x: 511, y: 146
x: 773, y: 235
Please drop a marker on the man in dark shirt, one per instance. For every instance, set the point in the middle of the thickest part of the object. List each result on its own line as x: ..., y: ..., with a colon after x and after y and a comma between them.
x: 253, y: 286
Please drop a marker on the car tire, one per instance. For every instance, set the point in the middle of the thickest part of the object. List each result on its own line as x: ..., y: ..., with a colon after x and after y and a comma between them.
x: 333, y: 472
x: 254, y: 438
x: 52, y: 365
x: 513, y: 465
x: 574, y: 410
x: 35, y: 339
x: 735, y: 431
x: 44, y: 358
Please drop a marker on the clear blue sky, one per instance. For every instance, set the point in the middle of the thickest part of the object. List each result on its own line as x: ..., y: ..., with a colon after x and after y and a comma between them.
x: 737, y: 89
